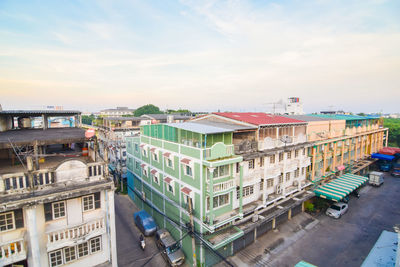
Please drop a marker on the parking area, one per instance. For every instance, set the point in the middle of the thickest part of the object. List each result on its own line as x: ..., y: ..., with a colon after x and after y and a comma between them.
x: 330, y: 242
x: 129, y: 252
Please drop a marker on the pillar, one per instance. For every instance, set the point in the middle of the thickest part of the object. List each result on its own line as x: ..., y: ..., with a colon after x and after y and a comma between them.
x: 290, y: 214
x: 342, y: 155
x: 241, y: 189
x: 34, y: 246
x: 349, y: 152
x: 111, y: 226
x: 274, y: 223
x: 387, y: 138
x: 313, y: 163
x: 324, y: 159
x: 356, y: 150
x: 334, y: 156
x: 211, y: 190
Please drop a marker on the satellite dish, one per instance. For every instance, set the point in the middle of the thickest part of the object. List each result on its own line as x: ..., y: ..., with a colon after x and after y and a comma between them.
x: 286, y: 139
x: 90, y: 133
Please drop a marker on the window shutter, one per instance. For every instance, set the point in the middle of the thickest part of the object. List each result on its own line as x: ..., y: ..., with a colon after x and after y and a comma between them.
x: 97, y: 203
x: 19, y: 218
x: 48, y: 212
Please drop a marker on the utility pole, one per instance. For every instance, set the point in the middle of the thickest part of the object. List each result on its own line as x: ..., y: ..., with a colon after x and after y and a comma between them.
x: 192, y: 231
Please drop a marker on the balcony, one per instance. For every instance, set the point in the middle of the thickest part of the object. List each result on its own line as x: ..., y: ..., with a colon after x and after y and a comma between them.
x: 12, y: 252
x: 269, y: 143
x: 69, y: 235
x: 224, y: 186
x: 246, y: 146
x: 17, y: 182
x: 218, y: 150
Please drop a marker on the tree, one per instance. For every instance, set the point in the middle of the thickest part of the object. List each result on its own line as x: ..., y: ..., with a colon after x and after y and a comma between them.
x: 394, y: 131
x: 361, y: 114
x: 87, y: 119
x: 147, y: 109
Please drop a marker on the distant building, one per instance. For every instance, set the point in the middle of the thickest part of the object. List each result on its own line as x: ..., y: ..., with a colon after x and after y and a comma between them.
x: 56, y: 197
x: 119, y: 111
x: 294, y: 106
x: 164, y: 118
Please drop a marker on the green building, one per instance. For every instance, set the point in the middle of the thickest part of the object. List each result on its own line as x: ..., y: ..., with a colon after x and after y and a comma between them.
x: 170, y: 163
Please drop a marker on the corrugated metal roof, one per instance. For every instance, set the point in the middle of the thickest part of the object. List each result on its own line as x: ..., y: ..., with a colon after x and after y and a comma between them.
x: 343, y: 117
x: 307, y: 118
x: 384, y: 252
x: 165, y: 116
x: 258, y: 118
x: 231, y: 126
x: 123, y: 118
x: 39, y: 112
x: 198, y: 128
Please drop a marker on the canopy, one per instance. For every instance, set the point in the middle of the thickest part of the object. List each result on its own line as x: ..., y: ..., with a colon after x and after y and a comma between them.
x: 382, y: 156
x: 339, y: 188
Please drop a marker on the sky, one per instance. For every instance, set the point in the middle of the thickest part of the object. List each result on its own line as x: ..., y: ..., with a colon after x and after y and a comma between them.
x: 200, y: 55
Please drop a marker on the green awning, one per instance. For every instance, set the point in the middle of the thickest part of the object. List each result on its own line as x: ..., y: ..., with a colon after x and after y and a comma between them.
x: 339, y: 188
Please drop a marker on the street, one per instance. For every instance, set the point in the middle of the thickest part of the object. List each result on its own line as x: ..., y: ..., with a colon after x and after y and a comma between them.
x: 128, y: 249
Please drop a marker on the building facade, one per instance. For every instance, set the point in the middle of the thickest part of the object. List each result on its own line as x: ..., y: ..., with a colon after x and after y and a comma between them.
x: 56, y: 199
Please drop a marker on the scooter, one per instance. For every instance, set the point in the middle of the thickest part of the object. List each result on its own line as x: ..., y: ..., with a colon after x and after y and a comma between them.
x: 142, y: 243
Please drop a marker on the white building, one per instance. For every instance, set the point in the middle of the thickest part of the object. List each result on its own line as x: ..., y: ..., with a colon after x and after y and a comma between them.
x: 119, y: 111
x: 56, y: 201
x: 293, y: 106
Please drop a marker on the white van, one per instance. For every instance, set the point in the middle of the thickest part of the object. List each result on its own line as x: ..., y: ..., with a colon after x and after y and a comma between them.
x: 376, y: 178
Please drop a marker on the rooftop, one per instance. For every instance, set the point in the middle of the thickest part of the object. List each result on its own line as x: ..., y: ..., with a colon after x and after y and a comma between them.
x: 308, y: 118
x: 226, y: 125
x: 165, y: 116
x: 123, y: 118
x: 199, y: 128
x: 344, y: 117
x: 43, y: 137
x: 33, y: 113
x: 259, y: 118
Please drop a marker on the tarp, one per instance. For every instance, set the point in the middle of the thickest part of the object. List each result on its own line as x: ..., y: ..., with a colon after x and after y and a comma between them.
x: 389, y: 150
x: 382, y: 156
x: 339, y: 188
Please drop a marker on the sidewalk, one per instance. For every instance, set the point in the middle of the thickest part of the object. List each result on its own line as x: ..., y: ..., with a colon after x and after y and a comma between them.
x: 261, y: 252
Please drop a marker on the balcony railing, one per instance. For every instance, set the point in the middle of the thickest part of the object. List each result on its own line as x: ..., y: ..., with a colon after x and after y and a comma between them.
x: 86, y: 230
x: 216, y: 152
x: 12, y: 252
x: 16, y: 182
x: 224, y: 186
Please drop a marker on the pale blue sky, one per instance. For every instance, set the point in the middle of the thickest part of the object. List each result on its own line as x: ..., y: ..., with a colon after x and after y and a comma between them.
x: 200, y: 55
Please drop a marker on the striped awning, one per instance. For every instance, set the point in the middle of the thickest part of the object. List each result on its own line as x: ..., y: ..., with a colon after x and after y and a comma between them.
x: 339, y: 188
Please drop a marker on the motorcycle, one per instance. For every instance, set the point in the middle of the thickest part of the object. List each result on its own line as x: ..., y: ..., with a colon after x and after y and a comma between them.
x: 142, y: 243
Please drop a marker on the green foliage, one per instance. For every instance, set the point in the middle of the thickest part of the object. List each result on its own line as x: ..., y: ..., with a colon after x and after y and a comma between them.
x: 394, y: 131
x: 309, y: 206
x: 87, y: 119
x: 180, y: 111
x: 147, y: 109
x: 361, y: 114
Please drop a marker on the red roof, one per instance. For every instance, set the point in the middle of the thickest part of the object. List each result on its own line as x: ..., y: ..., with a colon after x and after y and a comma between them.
x: 257, y: 118
x: 153, y: 171
x: 186, y: 191
x: 143, y: 165
x: 168, y: 180
x: 185, y: 161
x: 153, y: 149
x: 166, y: 154
x: 142, y: 145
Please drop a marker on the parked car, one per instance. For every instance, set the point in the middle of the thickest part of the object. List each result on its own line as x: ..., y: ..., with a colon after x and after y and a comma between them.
x: 170, y: 249
x: 396, y: 170
x: 336, y: 210
x: 145, y: 222
x: 376, y: 178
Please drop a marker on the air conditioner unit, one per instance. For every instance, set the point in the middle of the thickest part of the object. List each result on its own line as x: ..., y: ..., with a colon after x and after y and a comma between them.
x: 254, y: 218
x: 295, y: 183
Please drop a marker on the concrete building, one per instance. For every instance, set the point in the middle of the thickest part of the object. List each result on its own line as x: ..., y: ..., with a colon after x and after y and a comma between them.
x: 115, y: 112
x: 56, y: 198
x: 164, y: 118
x: 293, y: 106
x: 171, y: 164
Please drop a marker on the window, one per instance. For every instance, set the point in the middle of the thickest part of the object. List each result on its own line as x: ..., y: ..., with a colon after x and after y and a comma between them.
x: 188, y: 170
x: 280, y: 156
x: 6, y: 221
x: 221, y: 200
x: 221, y: 171
x: 272, y: 159
x: 155, y: 178
x: 270, y: 183
x: 289, y: 155
x: 302, y: 171
x: 280, y: 178
x: 137, y: 165
x: 262, y: 184
x: 145, y: 171
x: 144, y: 152
x: 170, y: 188
x: 136, y: 147
x: 237, y: 167
x: 83, y: 249
x: 296, y: 173
x: 287, y: 176
x: 58, y: 210
x: 261, y: 161
x: 69, y: 254
x: 248, y: 190
x: 56, y: 258
x: 88, y: 202
x: 169, y: 163
x: 304, y: 151
x: 296, y: 153
x: 155, y: 156
x: 95, y: 244
x: 251, y: 164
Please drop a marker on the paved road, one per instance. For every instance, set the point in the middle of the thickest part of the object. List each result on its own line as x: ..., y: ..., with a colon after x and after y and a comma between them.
x: 347, y: 241
x: 129, y: 252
